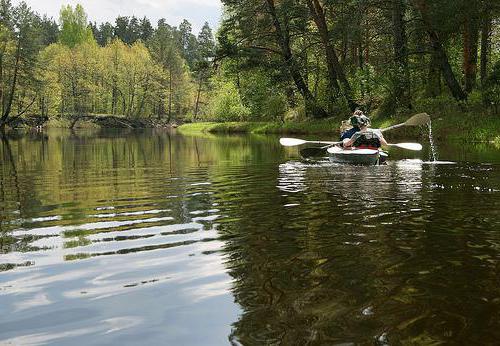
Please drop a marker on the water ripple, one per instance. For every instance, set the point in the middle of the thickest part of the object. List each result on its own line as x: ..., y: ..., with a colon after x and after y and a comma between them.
x: 136, y: 239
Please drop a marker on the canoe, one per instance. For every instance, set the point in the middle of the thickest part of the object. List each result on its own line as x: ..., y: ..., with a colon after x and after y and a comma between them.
x: 368, y: 157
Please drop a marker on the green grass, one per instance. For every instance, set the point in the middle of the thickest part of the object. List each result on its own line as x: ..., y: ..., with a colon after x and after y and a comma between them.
x: 213, y: 127
x: 467, y: 127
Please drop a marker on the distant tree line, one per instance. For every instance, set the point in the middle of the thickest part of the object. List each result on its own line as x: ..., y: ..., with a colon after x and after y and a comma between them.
x: 73, y: 67
x: 332, y: 56
x: 131, y: 29
x: 273, y: 60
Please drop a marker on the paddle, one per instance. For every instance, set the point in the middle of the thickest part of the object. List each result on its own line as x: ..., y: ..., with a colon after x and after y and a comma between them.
x: 416, y: 120
x: 293, y: 142
x: 407, y: 146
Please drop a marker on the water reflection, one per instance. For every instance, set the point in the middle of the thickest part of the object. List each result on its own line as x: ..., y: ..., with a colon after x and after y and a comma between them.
x: 367, y: 255
x: 137, y: 237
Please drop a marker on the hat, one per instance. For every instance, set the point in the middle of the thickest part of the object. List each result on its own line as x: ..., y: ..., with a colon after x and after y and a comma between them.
x: 364, y: 121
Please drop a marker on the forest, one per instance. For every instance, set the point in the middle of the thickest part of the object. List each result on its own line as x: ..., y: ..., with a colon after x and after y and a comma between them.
x: 384, y: 56
x: 270, y: 60
x: 73, y: 67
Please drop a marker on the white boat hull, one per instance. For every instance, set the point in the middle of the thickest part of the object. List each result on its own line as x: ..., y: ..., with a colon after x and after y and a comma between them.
x: 368, y: 157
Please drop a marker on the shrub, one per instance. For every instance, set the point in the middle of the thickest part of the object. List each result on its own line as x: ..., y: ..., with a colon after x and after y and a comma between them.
x: 437, y: 104
x: 226, y: 105
x: 491, y: 91
x: 275, y: 107
x: 296, y: 114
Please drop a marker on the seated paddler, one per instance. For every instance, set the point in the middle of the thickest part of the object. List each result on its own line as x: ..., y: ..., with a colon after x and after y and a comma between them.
x: 365, y: 138
x: 346, y: 134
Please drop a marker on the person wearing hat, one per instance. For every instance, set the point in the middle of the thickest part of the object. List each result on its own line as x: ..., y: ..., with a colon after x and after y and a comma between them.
x: 354, y: 120
x: 365, y: 138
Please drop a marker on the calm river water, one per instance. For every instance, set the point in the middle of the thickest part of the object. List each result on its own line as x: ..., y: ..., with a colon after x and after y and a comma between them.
x: 155, y: 238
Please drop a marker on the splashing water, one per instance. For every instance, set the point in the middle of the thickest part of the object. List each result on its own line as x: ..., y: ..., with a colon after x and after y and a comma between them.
x: 433, y: 156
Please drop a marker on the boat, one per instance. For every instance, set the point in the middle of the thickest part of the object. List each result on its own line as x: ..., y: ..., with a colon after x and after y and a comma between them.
x: 367, y: 157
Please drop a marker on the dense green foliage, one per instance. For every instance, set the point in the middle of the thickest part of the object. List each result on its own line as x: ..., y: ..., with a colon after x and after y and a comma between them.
x: 274, y: 61
x: 73, y: 68
x: 74, y: 28
x: 392, y: 56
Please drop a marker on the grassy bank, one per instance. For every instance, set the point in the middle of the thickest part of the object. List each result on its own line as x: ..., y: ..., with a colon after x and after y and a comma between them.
x: 459, y: 127
x: 320, y: 128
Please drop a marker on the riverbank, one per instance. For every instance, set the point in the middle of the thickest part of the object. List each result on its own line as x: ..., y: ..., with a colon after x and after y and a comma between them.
x: 456, y: 128
x: 94, y: 121
x: 466, y: 127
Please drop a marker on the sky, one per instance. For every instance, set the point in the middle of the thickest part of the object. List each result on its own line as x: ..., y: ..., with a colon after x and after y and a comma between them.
x: 174, y: 11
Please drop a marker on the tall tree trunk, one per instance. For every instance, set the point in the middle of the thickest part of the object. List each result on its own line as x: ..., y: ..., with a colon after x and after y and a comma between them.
x: 2, y: 108
x: 361, y: 58
x: 131, y: 105
x: 114, y: 90
x: 485, y: 44
x: 76, y: 107
x: 470, y: 45
x: 441, y: 56
x: 316, y: 77
x: 2, y: 92
x: 8, y: 107
x: 359, y: 39
x: 143, y: 99
x: 284, y: 43
x: 132, y: 88
x: 124, y: 102
x: 161, y: 107
x: 335, y: 70
x: 238, y: 78
x: 43, y: 106
x: 114, y: 96
x: 198, y: 93
x: 345, y: 41
x: 433, y: 80
x: 170, y: 96
x: 401, y: 53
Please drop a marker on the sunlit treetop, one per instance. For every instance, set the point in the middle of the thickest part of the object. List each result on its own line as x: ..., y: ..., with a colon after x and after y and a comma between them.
x: 74, y: 27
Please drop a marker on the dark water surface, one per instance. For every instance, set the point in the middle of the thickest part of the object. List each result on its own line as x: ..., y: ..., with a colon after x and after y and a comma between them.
x: 156, y: 238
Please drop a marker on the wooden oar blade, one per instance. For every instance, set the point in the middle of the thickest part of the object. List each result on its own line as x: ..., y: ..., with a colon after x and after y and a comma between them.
x: 313, y: 152
x: 291, y: 142
x: 409, y: 146
x: 418, y: 119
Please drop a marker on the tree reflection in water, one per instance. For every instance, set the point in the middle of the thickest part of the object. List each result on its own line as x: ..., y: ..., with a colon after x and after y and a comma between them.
x: 344, y: 254
x: 317, y: 253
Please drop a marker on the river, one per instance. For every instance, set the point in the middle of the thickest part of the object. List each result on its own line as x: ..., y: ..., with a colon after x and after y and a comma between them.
x: 150, y: 237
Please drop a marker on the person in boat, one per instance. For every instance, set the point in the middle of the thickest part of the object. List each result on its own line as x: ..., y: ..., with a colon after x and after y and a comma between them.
x: 354, y: 120
x: 365, y: 138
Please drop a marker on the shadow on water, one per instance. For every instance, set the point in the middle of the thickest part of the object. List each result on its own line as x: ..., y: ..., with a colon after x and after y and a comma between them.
x: 368, y: 255
x: 150, y: 233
